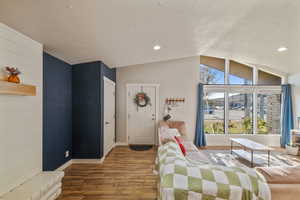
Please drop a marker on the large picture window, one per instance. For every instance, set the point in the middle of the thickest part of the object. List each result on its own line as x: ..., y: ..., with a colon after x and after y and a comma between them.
x: 239, y: 99
x: 230, y: 109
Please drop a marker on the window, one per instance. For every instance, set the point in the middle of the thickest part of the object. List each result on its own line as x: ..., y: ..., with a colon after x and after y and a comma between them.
x: 214, y: 113
x: 231, y: 109
x: 265, y: 78
x: 212, y: 70
x: 268, y: 113
x: 239, y: 98
x: 240, y: 113
x: 240, y: 74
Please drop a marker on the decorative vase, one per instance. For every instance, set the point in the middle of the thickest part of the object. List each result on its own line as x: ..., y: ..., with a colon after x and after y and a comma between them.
x: 13, y: 79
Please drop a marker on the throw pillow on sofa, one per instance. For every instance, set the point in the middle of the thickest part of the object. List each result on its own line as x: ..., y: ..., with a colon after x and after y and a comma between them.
x: 168, y: 134
x: 178, y: 141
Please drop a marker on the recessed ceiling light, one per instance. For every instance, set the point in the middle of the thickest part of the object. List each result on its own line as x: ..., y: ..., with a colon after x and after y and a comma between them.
x: 281, y: 49
x: 156, y: 47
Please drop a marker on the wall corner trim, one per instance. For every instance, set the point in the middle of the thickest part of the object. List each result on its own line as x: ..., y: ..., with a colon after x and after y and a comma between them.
x: 79, y: 161
x: 64, y: 166
x: 87, y: 161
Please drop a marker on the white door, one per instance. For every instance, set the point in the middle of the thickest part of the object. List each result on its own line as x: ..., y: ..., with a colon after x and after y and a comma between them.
x: 141, y: 121
x: 109, y: 115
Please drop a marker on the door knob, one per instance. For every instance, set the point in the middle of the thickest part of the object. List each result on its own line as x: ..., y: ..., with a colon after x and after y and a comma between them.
x: 106, y: 123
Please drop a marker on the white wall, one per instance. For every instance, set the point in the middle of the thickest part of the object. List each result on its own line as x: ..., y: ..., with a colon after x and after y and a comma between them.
x: 20, y: 116
x: 177, y: 78
x: 224, y: 140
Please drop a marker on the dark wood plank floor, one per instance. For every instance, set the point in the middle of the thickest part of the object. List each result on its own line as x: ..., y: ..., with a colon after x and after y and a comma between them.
x: 125, y: 174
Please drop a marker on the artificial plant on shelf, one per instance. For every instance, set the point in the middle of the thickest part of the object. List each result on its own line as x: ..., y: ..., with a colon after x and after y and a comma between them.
x: 13, y: 74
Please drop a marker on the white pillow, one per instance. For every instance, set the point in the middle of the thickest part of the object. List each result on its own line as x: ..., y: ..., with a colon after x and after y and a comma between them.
x: 171, y: 132
x: 167, y: 135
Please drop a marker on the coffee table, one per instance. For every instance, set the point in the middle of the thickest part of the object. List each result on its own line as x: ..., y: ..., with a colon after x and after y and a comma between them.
x: 250, y: 147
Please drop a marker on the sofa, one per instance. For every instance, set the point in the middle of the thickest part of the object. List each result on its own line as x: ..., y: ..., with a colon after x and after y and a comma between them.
x: 282, y: 183
x: 192, y: 151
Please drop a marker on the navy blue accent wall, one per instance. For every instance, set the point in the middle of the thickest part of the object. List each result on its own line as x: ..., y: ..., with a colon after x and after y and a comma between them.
x: 87, y: 110
x: 87, y: 87
x: 109, y: 72
x: 57, y: 112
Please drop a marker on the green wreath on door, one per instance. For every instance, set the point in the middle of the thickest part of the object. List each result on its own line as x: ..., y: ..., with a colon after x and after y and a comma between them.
x: 142, y: 99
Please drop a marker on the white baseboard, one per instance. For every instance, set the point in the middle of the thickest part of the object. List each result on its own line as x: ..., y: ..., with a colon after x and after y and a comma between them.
x: 87, y: 161
x: 64, y: 166
x: 110, y: 149
x: 121, y: 144
x: 80, y: 161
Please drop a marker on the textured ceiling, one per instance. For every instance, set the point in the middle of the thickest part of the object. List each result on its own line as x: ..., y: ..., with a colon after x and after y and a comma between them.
x: 123, y: 32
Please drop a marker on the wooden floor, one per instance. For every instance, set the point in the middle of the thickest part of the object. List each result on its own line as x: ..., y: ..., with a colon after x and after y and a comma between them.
x: 125, y: 174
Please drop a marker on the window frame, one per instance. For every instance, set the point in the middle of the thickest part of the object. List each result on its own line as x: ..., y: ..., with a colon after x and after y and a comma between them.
x: 254, y: 88
x: 247, y: 92
x: 224, y: 126
x: 281, y: 107
x: 245, y: 89
x: 256, y: 69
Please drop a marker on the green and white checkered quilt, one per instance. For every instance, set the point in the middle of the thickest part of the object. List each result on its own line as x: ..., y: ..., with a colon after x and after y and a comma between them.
x: 184, y: 180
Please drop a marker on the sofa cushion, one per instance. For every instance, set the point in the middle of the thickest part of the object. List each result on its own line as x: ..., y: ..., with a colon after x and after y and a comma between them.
x: 281, y: 175
x: 194, y: 154
x: 190, y: 147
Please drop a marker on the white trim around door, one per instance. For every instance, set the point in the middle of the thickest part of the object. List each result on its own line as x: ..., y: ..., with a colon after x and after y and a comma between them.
x: 156, y: 107
x: 110, y: 117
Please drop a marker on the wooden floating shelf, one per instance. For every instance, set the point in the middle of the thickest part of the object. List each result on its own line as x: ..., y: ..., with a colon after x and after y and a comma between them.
x: 17, y: 89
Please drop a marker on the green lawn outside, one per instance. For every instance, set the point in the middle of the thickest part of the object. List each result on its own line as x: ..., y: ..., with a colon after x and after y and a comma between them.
x: 235, y: 127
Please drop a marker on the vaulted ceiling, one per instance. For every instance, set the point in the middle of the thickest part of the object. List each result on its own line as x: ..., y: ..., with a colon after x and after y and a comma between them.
x: 123, y: 32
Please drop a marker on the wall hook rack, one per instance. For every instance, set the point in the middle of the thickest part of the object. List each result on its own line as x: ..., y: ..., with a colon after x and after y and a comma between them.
x: 175, y: 101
